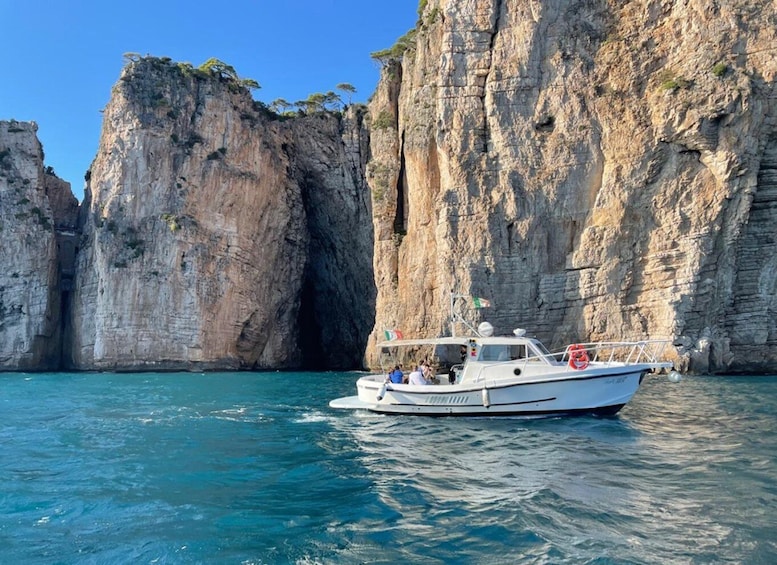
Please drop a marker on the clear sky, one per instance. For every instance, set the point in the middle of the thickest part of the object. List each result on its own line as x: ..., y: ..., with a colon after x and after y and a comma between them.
x: 61, y: 57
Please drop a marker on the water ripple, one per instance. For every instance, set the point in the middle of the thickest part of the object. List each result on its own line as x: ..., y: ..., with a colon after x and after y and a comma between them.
x: 244, y: 468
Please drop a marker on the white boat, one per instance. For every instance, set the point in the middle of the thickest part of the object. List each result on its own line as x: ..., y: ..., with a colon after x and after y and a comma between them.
x: 515, y: 375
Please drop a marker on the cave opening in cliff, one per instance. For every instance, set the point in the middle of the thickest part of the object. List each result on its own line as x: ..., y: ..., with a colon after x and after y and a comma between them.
x: 310, y: 342
x: 308, y: 324
x: 64, y: 361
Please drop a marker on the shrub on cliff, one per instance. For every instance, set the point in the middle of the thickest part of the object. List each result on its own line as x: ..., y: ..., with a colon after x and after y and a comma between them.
x: 384, y: 120
x: 211, y: 68
x: 397, y: 51
x: 222, y: 70
x: 346, y: 88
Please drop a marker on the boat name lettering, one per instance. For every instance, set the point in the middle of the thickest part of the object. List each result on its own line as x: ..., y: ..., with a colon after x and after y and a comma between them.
x: 615, y: 380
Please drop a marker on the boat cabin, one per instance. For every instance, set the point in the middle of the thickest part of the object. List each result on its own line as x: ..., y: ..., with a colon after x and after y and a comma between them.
x: 508, y: 349
x: 471, y: 358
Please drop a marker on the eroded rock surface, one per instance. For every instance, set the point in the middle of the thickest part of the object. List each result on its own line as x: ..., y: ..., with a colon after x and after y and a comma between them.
x: 34, y: 206
x: 203, y: 231
x: 599, y: 170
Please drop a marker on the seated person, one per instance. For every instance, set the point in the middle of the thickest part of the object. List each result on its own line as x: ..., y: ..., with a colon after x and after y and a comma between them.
x: 396, y: 376
x: 417, y: 377
x: 429, y: 373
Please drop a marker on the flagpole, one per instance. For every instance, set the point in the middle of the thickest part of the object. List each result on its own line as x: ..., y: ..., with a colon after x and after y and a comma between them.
x: 453, y: 318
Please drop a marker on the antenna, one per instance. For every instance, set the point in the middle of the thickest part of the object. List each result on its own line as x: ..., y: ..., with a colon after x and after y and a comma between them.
x: 456, y: 315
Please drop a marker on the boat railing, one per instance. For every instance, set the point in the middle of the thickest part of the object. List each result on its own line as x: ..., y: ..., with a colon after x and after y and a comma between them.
x: 628, y: 352
x: 602, y: 352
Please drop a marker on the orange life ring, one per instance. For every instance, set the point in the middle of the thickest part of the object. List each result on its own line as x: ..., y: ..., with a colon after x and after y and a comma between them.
x: 578, y: 357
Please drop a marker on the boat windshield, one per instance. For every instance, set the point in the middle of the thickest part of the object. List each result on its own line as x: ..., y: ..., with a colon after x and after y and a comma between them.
x: 502, y: 352
x: 542, y: 350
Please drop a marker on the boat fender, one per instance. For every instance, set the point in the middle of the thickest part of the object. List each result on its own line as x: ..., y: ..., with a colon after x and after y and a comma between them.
x: 486, y: 398
x: 381, y: 393
x: 674, y: 377
x: 578, y: 357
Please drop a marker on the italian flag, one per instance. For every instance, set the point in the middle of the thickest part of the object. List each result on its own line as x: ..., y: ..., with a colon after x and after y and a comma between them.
x: 481, y: 302
x: 391, y: 335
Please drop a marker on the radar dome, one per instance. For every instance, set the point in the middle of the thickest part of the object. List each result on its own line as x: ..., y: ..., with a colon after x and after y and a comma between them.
x: 485, y: 329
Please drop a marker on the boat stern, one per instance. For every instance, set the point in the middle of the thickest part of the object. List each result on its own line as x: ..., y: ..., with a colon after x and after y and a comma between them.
x: 370, y: 390
x: 349, y: 403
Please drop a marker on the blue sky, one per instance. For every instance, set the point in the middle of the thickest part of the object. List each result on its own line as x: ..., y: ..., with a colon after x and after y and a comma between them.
x: 61, y: 58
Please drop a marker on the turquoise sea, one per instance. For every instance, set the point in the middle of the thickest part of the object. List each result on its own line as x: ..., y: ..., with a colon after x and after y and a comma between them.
x: 256, y: 468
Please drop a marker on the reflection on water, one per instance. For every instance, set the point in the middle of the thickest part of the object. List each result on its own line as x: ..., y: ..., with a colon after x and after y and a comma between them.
x: 480, y: 462
x: 684, y: 473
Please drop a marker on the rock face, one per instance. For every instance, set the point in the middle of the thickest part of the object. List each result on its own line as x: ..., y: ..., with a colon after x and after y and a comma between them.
x: 202, y: 231
x: 34, y: 206
x: 599, y: 170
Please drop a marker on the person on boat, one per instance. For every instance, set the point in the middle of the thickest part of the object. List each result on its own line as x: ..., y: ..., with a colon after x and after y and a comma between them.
x: 417, y: 376
x: 396, y: 376
x: 429, y: 374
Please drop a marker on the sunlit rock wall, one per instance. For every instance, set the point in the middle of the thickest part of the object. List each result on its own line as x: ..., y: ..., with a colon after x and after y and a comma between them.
x: 33, y: 204
x: 197, y: 250
x: 599, y: 170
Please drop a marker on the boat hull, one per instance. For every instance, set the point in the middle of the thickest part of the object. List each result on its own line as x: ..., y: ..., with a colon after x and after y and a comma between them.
x: 602, y: 392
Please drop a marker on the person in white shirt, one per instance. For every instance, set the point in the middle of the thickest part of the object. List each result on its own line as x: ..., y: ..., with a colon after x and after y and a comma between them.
x: 417, y: 377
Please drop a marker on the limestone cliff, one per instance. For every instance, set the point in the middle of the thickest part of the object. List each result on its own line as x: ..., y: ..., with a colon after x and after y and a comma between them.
x: 598, y: 169
x: 34, y: 207
x: 203, y: 231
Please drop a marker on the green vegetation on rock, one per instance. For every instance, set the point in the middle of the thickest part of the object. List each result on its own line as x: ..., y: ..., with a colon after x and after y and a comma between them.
x: 384, y: 120
x: 395, y: 53
x: 672, y: 81
x: 213, y: 67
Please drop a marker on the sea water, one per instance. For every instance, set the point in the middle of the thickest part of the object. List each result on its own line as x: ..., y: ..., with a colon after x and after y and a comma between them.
x: 256, y: 468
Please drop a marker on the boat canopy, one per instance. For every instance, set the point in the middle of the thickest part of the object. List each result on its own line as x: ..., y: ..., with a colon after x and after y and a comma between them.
x: 479, y: 348
x: 461, y: 340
